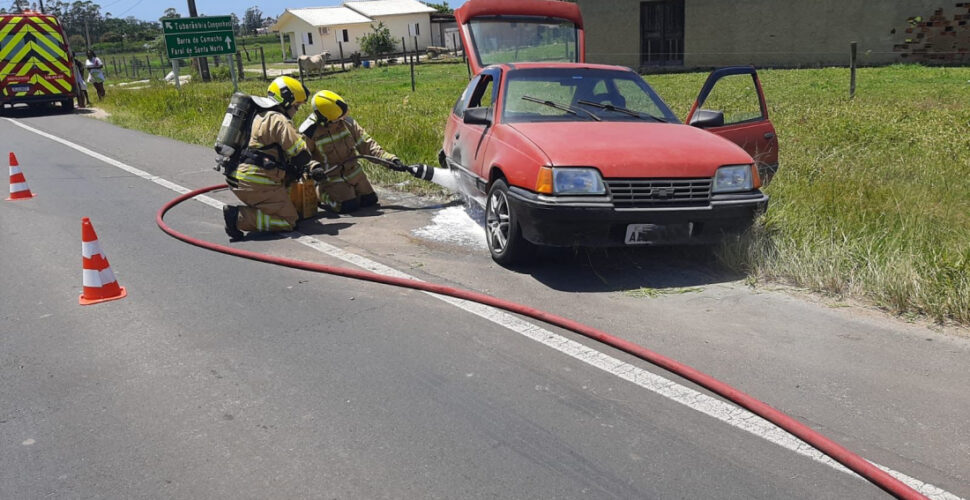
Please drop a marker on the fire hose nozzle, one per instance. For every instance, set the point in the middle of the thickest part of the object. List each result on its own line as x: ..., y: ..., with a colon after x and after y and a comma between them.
x: 421, y: 171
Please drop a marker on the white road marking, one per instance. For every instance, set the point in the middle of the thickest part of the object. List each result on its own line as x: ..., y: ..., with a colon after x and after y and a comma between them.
x: 726, y: 412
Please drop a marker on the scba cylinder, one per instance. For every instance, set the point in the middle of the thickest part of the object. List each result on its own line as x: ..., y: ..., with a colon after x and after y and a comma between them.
x: 233, y: 134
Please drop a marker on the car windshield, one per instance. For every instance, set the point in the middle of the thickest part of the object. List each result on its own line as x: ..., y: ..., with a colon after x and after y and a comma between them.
x: 611, y: 95
x: 506, y: 40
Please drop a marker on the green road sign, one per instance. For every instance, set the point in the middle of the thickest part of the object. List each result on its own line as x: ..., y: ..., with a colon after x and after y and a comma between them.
x: 198, y: 36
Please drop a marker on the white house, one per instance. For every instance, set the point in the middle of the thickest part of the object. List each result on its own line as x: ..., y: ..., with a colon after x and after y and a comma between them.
x: 318, y: 29
x: 405, y: 18
x: 321, y: 29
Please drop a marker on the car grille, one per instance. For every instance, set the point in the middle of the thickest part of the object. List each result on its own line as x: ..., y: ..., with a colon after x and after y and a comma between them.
x: 654, y: 193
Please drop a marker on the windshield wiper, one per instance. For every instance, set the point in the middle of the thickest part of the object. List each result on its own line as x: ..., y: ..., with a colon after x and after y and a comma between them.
x: 610, y: 107
x: 562, y: 107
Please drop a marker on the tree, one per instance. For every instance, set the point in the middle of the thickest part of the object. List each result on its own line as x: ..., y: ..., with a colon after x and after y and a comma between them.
x: 440, y: 7
x: 236, y: 27
x: 171, y: 12
x: 377, y: 43
x: 252, y: 19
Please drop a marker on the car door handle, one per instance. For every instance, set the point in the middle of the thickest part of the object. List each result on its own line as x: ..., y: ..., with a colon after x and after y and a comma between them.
x: 769, y: 135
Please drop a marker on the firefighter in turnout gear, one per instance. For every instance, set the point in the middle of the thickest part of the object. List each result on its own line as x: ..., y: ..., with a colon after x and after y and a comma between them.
x: 334, y: 140
x: 276, y: 155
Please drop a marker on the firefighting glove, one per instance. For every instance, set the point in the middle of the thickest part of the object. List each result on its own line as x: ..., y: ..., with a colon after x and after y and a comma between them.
x: 421, y: 171
x: 319, y: 174
x: 398, y: 165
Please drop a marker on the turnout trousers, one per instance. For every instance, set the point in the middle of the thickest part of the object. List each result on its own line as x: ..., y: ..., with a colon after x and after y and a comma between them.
x: 349, y: 184
x: 268, y: 206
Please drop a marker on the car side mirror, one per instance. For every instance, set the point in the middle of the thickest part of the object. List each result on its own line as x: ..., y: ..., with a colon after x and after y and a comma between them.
x: 706, y: 118
x: 478, y: 116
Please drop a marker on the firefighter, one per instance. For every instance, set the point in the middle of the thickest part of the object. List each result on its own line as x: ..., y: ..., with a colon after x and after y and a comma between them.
x: 276, y: 155
x: 335, y: 139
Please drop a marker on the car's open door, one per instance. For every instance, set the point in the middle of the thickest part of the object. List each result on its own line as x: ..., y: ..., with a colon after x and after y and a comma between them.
x: 732, y: 105
x: 508, y: 31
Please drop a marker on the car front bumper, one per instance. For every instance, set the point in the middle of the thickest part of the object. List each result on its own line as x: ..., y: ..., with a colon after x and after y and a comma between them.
x: 597, y: 223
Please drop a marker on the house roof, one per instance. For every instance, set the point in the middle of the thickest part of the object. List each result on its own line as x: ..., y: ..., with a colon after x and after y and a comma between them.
x: 372, y: 8
x: 322, y: 16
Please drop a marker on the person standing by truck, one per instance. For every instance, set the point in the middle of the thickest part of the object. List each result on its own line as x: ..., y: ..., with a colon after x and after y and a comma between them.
x: 95, y: 67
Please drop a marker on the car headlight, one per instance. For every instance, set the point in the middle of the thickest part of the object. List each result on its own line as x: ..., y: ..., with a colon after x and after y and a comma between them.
x: 572, y: 180
x: 733, y: 178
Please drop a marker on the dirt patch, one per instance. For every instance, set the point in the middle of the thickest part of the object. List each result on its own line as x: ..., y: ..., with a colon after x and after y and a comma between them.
x: 98, y: 113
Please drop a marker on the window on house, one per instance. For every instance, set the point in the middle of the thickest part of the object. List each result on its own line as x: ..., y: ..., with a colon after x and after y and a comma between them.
x: 417, y: 29
x: 324, y: 30
x: 309, y: 38
x: 346, y: 35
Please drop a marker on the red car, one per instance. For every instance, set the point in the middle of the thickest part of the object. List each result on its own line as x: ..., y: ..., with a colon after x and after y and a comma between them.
x: 564, y: 153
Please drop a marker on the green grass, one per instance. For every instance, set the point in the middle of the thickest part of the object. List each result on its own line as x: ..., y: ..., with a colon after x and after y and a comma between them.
x: 872, y: 200
x: 873, y: 196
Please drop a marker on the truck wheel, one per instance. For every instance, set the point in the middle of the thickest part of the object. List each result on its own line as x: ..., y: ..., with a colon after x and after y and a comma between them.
x: 502, y: 232
x: 67, y: 105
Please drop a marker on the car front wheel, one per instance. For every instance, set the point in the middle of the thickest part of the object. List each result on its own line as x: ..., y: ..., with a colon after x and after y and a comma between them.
x: 502, y: 232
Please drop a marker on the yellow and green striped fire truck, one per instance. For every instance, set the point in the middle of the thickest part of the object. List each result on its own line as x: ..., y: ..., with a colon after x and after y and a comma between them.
x: 35, y: 61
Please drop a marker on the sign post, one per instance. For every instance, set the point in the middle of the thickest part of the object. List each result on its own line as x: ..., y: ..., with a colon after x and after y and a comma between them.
x: 188, y: 37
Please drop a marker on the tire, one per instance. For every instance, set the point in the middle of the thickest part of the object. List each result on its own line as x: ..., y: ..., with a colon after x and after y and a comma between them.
x: 503, y: 235
x: 67, y: 105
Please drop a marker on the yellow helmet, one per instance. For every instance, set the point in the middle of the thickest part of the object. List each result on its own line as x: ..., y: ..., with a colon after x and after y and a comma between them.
x: 328, y: 106
x: 287, y: 91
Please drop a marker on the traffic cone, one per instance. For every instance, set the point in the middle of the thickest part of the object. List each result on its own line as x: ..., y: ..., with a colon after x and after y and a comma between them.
x: 100, y: 284
x: 18, y: 184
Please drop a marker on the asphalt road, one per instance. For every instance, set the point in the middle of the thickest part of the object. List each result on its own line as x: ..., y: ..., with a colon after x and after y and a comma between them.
x: 219, y: 377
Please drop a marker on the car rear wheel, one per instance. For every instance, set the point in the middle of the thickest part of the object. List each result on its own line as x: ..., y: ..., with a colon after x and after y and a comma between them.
x: 502, y: 232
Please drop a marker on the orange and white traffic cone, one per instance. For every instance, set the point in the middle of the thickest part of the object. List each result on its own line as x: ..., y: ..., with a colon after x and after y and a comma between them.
x: 100, y: 284
x: 18, y: 184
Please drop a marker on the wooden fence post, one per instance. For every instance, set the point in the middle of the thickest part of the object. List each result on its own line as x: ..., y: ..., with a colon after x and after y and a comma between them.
x: 239, y: 65
x: 417, y: 58
x: 148, y: 63
x: 262, y: 58
x: 852, y: 61
x: 340, y: 45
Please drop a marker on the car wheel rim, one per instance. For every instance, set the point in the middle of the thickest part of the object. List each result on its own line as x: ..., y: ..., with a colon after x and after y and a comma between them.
x: 498, y: 222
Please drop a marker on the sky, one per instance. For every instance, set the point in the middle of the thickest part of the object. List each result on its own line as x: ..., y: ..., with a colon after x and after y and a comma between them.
x: 151, y: 10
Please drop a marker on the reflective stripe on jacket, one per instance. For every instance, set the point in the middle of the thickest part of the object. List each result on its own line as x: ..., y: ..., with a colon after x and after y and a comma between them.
x: 336, y: 143
x: 272, y: 133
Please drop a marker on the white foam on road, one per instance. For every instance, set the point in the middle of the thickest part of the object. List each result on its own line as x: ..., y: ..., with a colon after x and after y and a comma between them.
x: 453, y: 225
x: 726, y: 412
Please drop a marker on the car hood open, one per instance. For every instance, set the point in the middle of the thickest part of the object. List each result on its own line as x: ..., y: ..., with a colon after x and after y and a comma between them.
x: 634, y: 149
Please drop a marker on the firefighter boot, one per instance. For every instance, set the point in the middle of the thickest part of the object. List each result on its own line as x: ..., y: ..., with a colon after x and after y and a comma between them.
x: 230, y: 214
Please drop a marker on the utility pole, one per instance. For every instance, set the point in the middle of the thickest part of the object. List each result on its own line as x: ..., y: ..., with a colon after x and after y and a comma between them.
x: 87, y: 33
x: 203, y: 62
x: 41, y: 6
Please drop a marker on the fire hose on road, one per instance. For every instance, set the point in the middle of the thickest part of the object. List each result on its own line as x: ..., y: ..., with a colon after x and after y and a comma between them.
x: 834, y: 450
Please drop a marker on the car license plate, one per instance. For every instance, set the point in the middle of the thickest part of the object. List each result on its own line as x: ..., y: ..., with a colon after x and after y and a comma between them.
x: 646, y: 234
x: 19, y: 88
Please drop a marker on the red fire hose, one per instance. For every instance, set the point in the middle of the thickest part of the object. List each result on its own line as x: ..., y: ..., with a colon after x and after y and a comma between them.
x: 842, y: 455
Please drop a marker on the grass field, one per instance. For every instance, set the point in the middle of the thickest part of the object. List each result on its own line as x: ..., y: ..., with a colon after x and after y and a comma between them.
x: 872, y: 201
